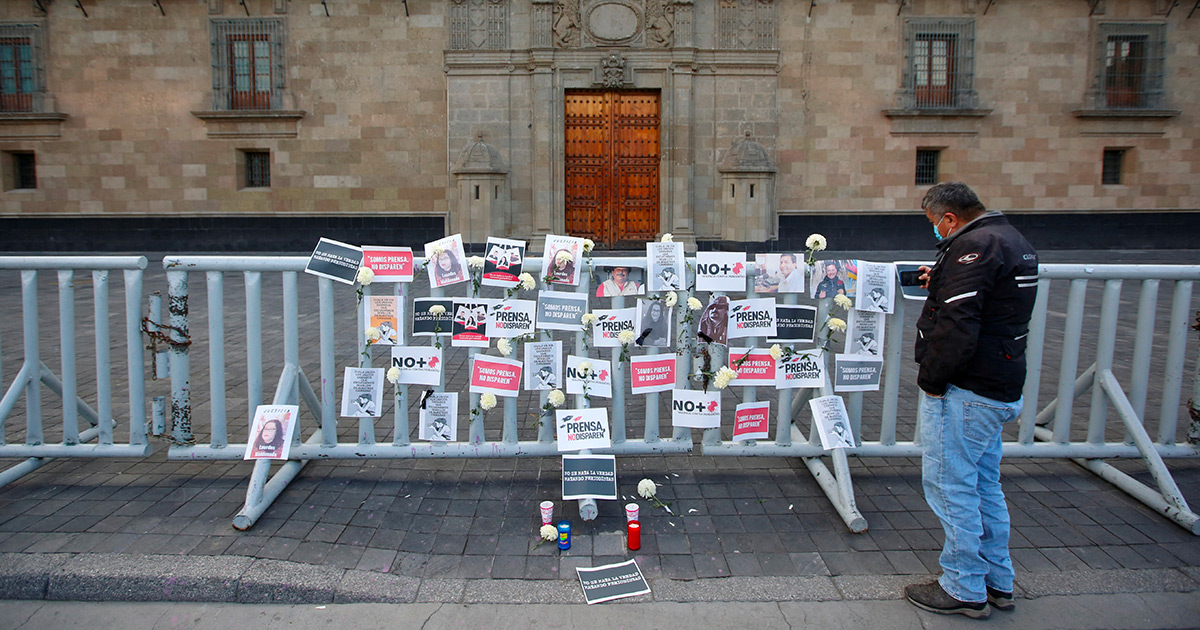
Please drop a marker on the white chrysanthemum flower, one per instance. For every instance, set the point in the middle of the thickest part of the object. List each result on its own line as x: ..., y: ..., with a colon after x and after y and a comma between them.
x: 694, y: 304
x: 667, y: 238
x: 556, y: 397
x: 815, y: 242
x: 548, y: 532
x: 585, y: 368
x: 837, y: 325
x: 647, y: 489
x: 373, y: 334
x: 843, y: 302
x: 626, y: 337
x: 724, y: 377
x: 393, y: 374
x: 487, y: 401
x: 776, y: 352
x: 365, y: 276
x: 672, y: 298
x: 437, y: 309
x: 527, y: 281
x: 475, y: 262
x: 588, y: 245
x: 588, y: 319
x: 563, y: 256
x: 436, y: 251
x: 504, y: 346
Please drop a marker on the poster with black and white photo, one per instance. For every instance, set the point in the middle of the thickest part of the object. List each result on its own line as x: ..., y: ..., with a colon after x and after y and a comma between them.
x: 794, y: 324
x: 598, y: 379
x: 752, y: 318
x: 335, y: 260
x: 803, y: 369
x: 665, y: 270
x: 559, y: 310
x: 833, y: 423
x: 721, y: 271
x: 384, y: 313
x: 511, y: 318
x: 502, y: 262
x: 362, y: 392
x: 543, y: 365
x: 610, y: 323
x: 612, y: 581
x: 562, y: 259
x: 856, y: 373
x: 589, y: 477
x: 426, y: 323
x: 419, y: 365
x: 696, y: 409
x: 876, y: 287
x: 447, y: 262
x: 779, y: 273
x: 438, y: 417
x: 578, y: 429
x: 713, y: 326
x: 470, y: 323
x: 654, y: 324
x: 271, y: 432
x: 864, y: 333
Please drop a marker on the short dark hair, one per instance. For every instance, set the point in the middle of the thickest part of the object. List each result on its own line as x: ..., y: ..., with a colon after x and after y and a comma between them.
x: 792, y: 256
x: 954, y: 197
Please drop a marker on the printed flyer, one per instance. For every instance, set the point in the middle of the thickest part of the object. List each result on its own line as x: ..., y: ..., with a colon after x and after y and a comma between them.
x: 362, y: 393
x: 580, y: 429
x: 757, y: 370
x: 752, y: 421
x: 502, y: 262
x: 385, y: 313
x: 805, y: 368
x: 833, y: 423
x: 589, y: 477
x: 876, y: 287
x: 511, y: 318
x: 470, y: 323
x: 856, y: 373
x: 752, y: 318
x: 666, y: 270
x: 610, y: 323
x: 794, y: 324
x: 695, y: 409
x: 335, y: 260
x: 419, y: 365
x: 272, y: 431
x: 562, y: 259
x: 390, y: 264
x: 447, y: 262
x: 559, y: 310
x: 428, y: 324
x: 438, y: 417
x: 598, y: 379
x: 721, y: 271
x: 652, y: 373
x: 543, y: 365
x: 495, y: 375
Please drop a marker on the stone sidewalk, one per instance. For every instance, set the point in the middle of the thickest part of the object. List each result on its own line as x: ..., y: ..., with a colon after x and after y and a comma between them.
x: 464, y: 531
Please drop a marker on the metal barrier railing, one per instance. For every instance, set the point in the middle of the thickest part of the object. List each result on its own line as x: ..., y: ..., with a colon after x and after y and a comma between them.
x: 34, y: 373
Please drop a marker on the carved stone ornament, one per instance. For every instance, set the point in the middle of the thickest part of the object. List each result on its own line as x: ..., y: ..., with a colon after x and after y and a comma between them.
x: 479, y: 157
x: 612, y: 71
x: 566, y: 24
x: 613, y: 22
x: 747, y: 156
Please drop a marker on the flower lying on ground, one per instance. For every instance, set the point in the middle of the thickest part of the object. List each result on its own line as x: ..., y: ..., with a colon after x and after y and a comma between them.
x: 365, y: 276
x: 546, y: 534
x: 393, y: 374
x: 647, y: 490
x: 843, y: 302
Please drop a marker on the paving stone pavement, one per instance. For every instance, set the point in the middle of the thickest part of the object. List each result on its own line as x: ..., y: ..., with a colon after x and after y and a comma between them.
x: 739, y: 529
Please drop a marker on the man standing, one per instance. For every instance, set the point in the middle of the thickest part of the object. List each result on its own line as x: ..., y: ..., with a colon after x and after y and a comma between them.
x: 971, y: 349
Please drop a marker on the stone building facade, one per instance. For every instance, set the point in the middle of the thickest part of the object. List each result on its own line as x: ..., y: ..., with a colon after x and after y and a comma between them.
x: 393, y: 121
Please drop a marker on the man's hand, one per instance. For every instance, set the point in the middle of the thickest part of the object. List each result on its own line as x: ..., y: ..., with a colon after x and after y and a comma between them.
x: 924, y: 276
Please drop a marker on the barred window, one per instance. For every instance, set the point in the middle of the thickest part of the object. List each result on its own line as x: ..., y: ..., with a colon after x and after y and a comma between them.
x: 1114, y: 162
x: 927, y: 167
x: 247, y: 64
x: 1129, y: 66
x: 939, y: 71
x: 257, y: 169
x: 20, y: 170
x: 21, y: 68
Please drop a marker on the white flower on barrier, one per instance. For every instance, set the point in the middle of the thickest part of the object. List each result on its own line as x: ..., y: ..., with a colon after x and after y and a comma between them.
x: 556, y: 398
x: 776, y: 352
x: 373, y: 334
x: 585, y: 368
x: 504, y: 346
x: 815, y: 242
x: 475, y: 262
x: 588, y: 319
x: 588, y: 245
x: 365, y: 276
x: 694, y: 304
x: 667, y: 238
x: 527, y: 281
x: 843, y: 302
x: 672, y: 298
x: 626, y: 337
x: 436, y: 251
x: 487, y: 401
x: 724, y: 377
x: 563, y: 256
x: 437, y: 309
x: 393, y: 374
x: 837, y: 325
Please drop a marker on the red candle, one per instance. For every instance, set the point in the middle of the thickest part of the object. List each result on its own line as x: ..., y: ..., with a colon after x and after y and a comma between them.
x: 635, y: 534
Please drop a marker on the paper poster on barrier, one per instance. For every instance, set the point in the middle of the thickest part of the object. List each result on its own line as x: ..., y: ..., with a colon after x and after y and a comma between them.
x: 562, y: 259
x: 652, y: 373
x: 559, y: 310
x: 779, y: 273
x: 721, y: 271
x: 714, y: 321
x: 833, y: 423
x: 752, y: 421
x: 335, y: 260
x: 390, y: 264
x: 503, y: 260
x: 272, y: 431
x: 470, y: 323
x: 426, y: 323
x: 589, y: 477
x: 543, y: 365
x: 756, y: 370
x: 696, y: 409
x: 752, y: 318
x: 612, y: 581
x: 598, y: 379
x: 856, y: 373
x: 438, y: 417
x: 447, y: 262
x: 794, y: 324
x: 625, y: 279
x: 362, y: 393
x: 805, y: 368
x: 654, y: 324
x: 610, y: 323
x: 665, y: 270
x: 833, y: 277
x: 494, y: 375
x: 419, y: 365
x: 511, y: 318
x: 876, y: 287
x: 384, y: 313
x: 864, y: 333
x: 578, y: 429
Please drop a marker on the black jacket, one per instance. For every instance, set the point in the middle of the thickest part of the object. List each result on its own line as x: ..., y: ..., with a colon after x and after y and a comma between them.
x: 972, y: 329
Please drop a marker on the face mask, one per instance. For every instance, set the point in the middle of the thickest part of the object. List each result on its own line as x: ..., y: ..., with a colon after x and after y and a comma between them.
x: 936, y: 233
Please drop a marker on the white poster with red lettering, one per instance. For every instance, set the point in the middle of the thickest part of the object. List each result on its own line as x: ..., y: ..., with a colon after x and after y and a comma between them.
x: 419, y: 365
x: 596, y: 382
x: 756, y: 370
x: 390, y: 264
x: 652, y: 373
x: 501, y: 377
x: 695, y: 409
x: 752, y: 421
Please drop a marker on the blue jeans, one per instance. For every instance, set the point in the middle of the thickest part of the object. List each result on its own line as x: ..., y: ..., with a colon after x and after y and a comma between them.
x: 960, y: 470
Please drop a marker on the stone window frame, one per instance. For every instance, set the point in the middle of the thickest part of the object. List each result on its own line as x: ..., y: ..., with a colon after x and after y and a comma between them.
x: 960, y: 95
x: 38, y: 100
x: 1150, y: 77
x: 224, y: 32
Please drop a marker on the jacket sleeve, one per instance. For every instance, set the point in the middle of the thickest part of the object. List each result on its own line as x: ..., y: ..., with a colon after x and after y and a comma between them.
x: 966, y: 279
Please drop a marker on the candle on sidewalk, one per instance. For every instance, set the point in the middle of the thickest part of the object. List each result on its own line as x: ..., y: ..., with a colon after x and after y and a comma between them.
x: 635, y: 534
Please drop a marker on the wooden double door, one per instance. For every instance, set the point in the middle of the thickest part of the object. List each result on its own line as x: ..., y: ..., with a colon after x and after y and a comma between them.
x: 612, y: 158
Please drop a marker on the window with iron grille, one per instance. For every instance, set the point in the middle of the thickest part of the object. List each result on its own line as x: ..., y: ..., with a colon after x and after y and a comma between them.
x: 258, y: 169
x: 927, y: 166
x: 247, y: 64
x: 20, y: 170
x: 939, y: 70
x: 1129, y: 66
x: 21, y: 68
x: 1114, y: 161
